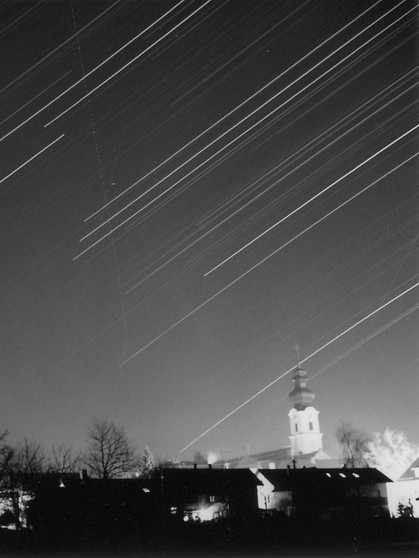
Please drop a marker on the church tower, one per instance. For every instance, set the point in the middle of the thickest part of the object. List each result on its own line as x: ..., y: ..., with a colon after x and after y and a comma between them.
x: 306, y: 437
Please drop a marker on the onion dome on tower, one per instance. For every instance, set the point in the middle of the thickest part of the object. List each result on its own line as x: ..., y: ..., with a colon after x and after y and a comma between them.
x: 306, y: 438
x: 301, y: 395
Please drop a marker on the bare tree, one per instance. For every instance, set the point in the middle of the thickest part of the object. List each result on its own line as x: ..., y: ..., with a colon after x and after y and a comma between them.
x: 109, y: 452
x: 353, y: 443
x: 30, y: 458
x: 29, y: 461
x: 62, y: 460
x: 391, y: 453
x: 7, y: 454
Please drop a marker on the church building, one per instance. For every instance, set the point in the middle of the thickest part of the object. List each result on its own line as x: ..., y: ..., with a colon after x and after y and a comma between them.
x: 306, y: 439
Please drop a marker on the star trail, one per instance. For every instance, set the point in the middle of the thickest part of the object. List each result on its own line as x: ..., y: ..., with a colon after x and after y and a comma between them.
x: 189, y: 190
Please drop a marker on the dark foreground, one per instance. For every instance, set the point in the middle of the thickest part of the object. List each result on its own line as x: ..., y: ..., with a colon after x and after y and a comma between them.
x: 256, y: 538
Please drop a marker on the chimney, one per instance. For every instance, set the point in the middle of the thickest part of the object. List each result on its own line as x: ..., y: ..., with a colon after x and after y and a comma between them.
x: 209, y: 466
x: 83, y: 474
x: 195, y: 466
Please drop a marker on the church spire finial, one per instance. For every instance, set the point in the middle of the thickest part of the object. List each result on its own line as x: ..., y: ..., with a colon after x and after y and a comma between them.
x: 297, y: 354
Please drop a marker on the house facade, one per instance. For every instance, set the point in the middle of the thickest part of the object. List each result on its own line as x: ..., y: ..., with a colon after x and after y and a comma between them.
x: 405, y: 491
x: 207, y: 493
x: 324, y: 493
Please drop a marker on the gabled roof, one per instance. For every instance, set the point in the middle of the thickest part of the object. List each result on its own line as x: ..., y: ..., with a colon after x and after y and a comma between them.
x: 74, y: 482
x: 282, y: 479
x: 409, y: 473
x: 209, y: 480
x: 282, y: 454
x: 281, y: 458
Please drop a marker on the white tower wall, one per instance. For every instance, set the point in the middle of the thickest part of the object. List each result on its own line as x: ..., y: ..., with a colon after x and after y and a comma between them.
x: 305, y: 431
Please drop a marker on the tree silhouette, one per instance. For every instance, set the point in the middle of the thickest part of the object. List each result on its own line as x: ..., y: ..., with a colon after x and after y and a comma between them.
x: 63, y: 460
x: 405, y: 510
x: 353, y: 443
x: 25, y: 467
x: 109, y: 452
x: 7, y: 454
x: 147, y: 463
x: 30, y: 459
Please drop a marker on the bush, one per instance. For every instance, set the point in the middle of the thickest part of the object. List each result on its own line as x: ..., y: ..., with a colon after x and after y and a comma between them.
x: 405, y: 510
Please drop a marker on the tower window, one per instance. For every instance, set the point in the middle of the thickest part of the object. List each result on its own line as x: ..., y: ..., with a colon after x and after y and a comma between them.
x: 310, y: 425
x: 296, y: 427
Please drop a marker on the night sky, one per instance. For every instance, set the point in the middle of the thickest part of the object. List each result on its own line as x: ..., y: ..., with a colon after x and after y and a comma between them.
x: 188, y: 191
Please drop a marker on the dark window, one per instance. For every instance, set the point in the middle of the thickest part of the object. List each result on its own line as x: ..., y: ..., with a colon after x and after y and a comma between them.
x: 310, y: 425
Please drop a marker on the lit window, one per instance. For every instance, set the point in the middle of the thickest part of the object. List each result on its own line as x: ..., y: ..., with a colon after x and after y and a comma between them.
x: 355, y: 475
x: 328, y: 475
x: 212, y: 499
x: 342, y: 475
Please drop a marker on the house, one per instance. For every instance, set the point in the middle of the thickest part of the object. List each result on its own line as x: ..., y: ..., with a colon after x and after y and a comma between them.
x: 323, y: 493
x: 79, y: 505
x: 16, y: 501
x: 405, y: 491
x: 75, y: 506
x: 204, y: 494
